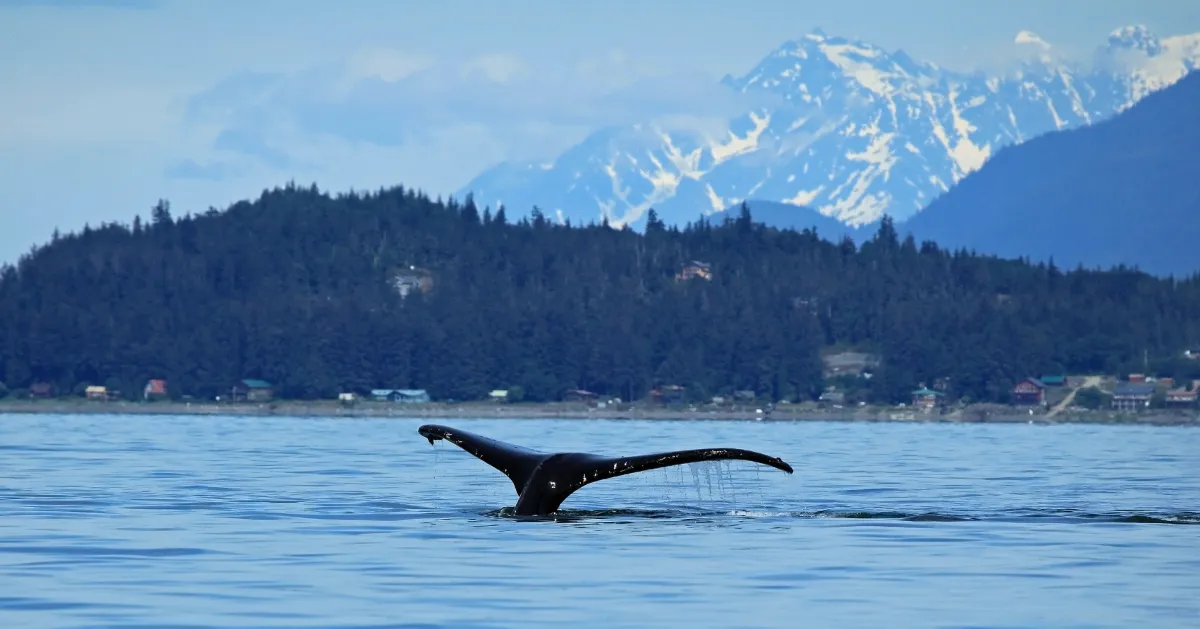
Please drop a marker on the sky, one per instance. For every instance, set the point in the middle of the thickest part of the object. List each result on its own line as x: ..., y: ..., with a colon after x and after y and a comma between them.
x: 109, y: 105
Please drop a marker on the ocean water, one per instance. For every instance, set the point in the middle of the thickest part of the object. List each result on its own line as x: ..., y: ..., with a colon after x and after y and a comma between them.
x: 143, y: 521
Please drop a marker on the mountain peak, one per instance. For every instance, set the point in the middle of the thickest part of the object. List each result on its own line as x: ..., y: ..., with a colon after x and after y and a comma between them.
x: 1135, y: 37
x: 1131, y: 31
x: 846, y: 128
x: 816, y: 66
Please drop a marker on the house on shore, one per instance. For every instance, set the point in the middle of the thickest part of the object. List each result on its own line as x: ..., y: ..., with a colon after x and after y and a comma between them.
x: 1029, y: 392
x: 1132, y: 397
x: 1182, y: 398
x: 253, y: 390
x: 831, y: 398
x: 580, y: 395
x: 155, y: 389
x: 926, y: 398
x: 668, y: 394
x: 400, y: 396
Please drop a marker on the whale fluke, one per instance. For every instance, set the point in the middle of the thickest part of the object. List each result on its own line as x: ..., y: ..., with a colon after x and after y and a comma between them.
x: 544, y: 480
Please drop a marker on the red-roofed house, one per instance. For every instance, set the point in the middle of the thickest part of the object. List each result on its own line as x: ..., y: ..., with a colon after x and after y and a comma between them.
x: 155, y: 389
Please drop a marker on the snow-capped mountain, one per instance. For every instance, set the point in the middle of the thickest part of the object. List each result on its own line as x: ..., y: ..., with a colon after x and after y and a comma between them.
x: 841, y: 126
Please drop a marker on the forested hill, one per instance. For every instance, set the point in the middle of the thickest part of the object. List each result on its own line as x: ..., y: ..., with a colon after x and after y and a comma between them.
x: 296, y: 288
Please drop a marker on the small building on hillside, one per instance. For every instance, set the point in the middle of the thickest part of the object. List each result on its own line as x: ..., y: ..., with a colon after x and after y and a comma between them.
x: 1029, y: 392
x: 1131, y: 397
x: 412, y: 279
x: 498, y: 395
x: 849, y: 364
x: 253, y: 390
x: 96, y: 392
x: 694, y: 269
x: 155, y: 389
x: 1053, y: 381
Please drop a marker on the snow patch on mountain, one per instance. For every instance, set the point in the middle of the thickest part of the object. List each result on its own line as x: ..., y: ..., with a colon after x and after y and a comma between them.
x: 739, y: 145
x: 1152, y: 63
x: 849, y: 129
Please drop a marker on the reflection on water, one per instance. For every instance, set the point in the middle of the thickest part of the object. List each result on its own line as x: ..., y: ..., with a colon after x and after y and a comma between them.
x: 233, y: 521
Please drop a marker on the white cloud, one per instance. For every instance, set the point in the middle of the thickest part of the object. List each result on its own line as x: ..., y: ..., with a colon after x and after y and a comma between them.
x: 498, y: 67
x: 615, y: 70
x: 386, y: 63
x: 1031, y: 38
x: 1026, y: 51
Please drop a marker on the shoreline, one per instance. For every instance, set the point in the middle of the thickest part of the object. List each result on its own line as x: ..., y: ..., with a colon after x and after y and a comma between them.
x: 555, y: 410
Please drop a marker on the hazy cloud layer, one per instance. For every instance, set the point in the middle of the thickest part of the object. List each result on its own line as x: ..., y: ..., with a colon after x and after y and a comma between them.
x: 84, y: 4
x: 390, y: 98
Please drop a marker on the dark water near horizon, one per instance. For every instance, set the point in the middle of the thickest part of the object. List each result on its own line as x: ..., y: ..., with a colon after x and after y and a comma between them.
x: 140, y: 521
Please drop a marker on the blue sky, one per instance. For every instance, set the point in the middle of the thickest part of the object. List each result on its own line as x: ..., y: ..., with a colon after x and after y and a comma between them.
x: 109, y: 105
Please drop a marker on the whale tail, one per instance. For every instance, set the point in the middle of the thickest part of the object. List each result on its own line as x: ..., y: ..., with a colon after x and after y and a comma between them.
x: 515, y: 462
x: 543, y: 481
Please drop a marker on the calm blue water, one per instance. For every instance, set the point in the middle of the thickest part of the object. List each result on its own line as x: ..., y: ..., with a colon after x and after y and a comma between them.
x: 111, y: 521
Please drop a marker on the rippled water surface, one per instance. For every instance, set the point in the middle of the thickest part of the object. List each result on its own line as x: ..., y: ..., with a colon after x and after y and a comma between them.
x: 116, y: 521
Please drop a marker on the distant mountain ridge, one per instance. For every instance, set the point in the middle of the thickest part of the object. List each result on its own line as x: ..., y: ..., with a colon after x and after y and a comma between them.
x: 846, y: 128
x: 1123, y: 191
x: 787, y: 216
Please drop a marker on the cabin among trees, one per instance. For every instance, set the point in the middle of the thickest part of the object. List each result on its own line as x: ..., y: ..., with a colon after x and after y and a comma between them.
x: 694, y: 269
x: 412, y: 279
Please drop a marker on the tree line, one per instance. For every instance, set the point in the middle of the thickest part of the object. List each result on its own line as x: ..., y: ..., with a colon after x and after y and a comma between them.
x: 296, y: 288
